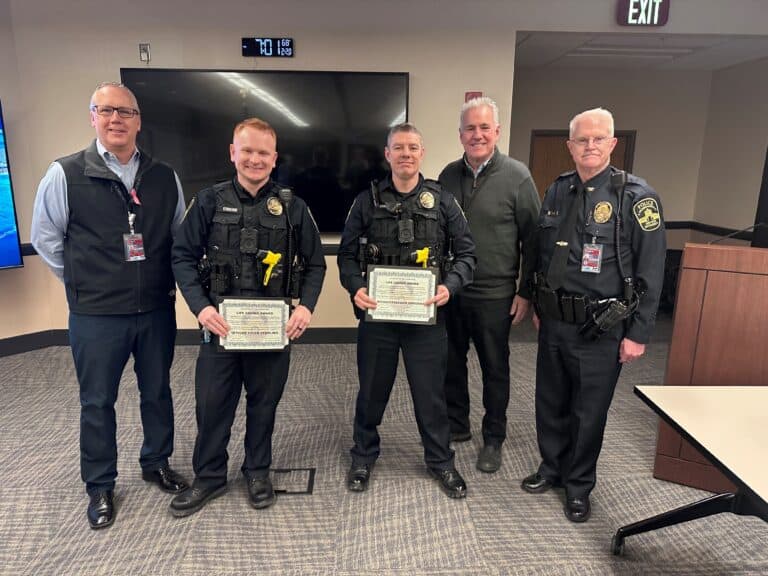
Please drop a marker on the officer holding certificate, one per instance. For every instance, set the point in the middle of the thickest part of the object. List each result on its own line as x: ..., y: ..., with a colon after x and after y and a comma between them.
x: 411, y: 223
x: 244, y: 238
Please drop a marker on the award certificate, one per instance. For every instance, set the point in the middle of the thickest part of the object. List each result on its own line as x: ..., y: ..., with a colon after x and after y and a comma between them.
x: 400, y: 293
x: 254, y: 323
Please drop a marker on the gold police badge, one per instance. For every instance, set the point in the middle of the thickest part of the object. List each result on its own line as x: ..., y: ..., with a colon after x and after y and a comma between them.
x: 274, y: 206
x: 647, y: 214
x: 427, y: 200
x: 603, y: 211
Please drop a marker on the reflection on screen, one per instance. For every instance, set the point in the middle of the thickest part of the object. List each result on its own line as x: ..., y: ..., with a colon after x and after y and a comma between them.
x: 331, y: 127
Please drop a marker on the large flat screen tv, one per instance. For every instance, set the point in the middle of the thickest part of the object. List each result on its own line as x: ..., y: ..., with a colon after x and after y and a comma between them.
x: 331, y: 127
x: 10, y: 247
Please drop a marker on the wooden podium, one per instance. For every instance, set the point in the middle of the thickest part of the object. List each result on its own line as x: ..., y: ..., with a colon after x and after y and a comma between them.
x: 719, y: 338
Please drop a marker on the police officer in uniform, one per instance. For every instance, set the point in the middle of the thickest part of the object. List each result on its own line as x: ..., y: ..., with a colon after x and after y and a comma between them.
x: 244, y: 237
x: 594, y: 311
x: 404, y: 220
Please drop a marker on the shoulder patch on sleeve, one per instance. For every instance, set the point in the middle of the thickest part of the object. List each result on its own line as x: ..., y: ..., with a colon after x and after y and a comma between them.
x: 647, y: 214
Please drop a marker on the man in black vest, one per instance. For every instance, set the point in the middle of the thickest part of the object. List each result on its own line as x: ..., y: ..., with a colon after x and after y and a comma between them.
x: 104, y: 221
x: 246, y: 237
x: 404, y: 220
x: 599, y: 276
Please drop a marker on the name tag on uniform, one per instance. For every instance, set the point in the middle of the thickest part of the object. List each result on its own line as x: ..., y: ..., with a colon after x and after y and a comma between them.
x: 133, y: 246
x: 592, y: 258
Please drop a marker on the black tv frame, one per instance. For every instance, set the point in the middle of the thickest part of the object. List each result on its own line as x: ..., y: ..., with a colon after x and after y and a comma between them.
x: 126, y: 74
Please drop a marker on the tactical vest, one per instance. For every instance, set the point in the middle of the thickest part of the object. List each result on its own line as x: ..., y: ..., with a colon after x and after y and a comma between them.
x: 240, y: 240
x: 401, y: 226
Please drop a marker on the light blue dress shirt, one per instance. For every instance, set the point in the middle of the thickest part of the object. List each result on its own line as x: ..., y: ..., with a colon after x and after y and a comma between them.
x: 50, y: 217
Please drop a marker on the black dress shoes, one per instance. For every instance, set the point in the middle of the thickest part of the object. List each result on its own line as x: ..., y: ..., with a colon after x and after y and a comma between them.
x: 489, y: 459
x: 192, y: 499
x: 461, y: 436
x: 358, y: 477
x: 536, y: 484
x: 168, y: 480
x: 450, y: 481
x: 101, y: 510
x: 578, y: 509
x: 261, y: 494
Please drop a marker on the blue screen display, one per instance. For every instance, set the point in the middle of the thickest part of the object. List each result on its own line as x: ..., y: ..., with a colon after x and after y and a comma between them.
x: 10, y: 248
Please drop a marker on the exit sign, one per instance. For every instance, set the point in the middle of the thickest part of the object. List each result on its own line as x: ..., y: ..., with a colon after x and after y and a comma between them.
x: 642, y: 12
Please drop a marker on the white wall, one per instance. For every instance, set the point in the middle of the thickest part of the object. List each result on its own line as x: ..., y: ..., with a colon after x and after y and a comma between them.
x: 52, y: 54
x: 667, y: 110
x: 735, y: 144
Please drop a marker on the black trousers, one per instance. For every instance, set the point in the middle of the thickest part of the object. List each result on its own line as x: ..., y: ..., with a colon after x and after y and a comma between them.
x: 219, y: 378
x: 424, y: 355
x: 575, y: 381
x: 101, y: 347
x: 487, y: 324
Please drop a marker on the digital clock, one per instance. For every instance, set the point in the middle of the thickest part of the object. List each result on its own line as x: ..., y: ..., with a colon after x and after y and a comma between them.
x: 268, y: 47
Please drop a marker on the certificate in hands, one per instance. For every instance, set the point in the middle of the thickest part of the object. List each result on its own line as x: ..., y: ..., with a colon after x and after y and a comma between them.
x: 255, y: 324
x: 400, y: 293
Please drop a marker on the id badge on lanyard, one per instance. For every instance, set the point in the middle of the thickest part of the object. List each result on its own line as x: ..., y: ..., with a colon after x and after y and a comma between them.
x: 592, y: 258
x: 133, y: 244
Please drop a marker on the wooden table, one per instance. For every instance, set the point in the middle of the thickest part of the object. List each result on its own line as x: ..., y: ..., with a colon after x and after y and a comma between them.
x: 729, y: 425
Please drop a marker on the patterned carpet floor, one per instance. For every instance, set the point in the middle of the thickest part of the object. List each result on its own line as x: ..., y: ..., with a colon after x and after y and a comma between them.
x: 402, y: 525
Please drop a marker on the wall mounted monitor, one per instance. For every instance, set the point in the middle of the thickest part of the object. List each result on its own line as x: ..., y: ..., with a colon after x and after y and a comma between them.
x: 331, y: 127
x: 10, y: 246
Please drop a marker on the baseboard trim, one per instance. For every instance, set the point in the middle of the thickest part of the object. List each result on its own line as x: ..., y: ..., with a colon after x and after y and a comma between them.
x: 184, y: 337
x: 34, y: 341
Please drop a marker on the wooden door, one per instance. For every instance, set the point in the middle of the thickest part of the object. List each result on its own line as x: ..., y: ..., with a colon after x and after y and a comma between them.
x: 550, y: 156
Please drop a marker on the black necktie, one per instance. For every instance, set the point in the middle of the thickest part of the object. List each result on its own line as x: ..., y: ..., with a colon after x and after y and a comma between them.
x: 559, y: 261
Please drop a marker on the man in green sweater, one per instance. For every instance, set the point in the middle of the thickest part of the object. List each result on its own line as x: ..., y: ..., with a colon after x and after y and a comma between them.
x: 501, y: 204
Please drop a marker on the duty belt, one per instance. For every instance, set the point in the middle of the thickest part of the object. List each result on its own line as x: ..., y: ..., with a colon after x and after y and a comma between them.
x: 570, y: 308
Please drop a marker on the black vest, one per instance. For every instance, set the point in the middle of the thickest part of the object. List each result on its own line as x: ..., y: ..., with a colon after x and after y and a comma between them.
x: 390, y: 225
x: 98, y: 280
x: 240, y: 238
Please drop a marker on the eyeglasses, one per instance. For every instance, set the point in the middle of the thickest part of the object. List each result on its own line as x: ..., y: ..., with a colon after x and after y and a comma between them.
x: 107, y: 111
x: 597, y: 141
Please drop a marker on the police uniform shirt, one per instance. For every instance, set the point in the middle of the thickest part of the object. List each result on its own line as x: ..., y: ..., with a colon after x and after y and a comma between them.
x: 642, y: 241
x: 192, y: 239
x: 453, y: 224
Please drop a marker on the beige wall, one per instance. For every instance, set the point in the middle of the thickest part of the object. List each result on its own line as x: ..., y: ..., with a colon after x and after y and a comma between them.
x: 57, y: 85
x: 735, y: 145
x: 53, y: 53
x: 667, y: 110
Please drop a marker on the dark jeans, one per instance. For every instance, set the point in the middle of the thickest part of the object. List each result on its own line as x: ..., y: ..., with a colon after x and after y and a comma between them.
x: 424, y: 350
x: 219, y: 379
x: 575, y: 381
x: 101, y: 346
x: 487, y: 324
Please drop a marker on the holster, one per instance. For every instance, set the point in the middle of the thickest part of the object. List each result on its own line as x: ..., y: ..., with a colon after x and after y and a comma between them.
x: 604, y: 319
x: 547, y: 303
x: 297, y: 276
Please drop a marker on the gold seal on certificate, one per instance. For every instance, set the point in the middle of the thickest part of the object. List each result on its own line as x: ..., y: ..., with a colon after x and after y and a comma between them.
x: 255, y: 324
x: 400, y: 293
